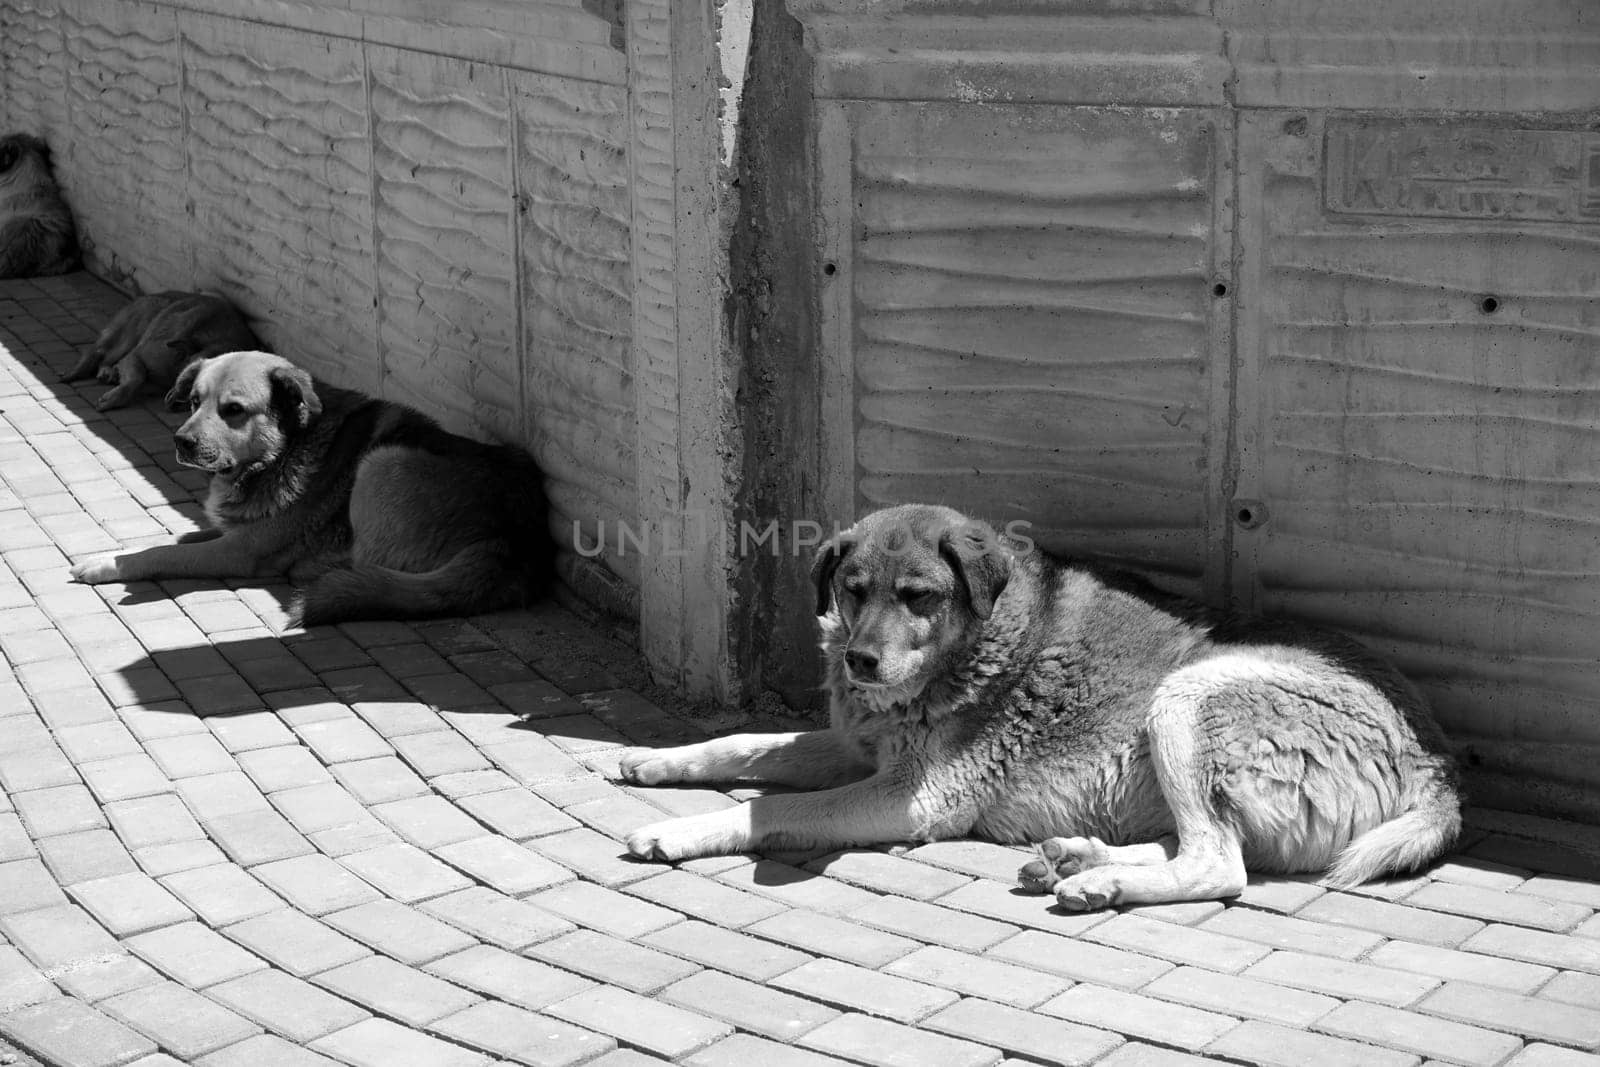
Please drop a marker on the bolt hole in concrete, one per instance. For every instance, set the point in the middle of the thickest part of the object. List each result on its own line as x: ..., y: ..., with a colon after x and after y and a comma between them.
x: 830, y: 269
x: 1250, y: 513
x: 1489, y: 305
x: 1220, y: 289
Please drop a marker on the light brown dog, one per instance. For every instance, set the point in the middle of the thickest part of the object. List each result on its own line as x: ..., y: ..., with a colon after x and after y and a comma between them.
x: 37, y: 237
x: 374, y: 508
x: 154, y: 337
x: 1154, y: 750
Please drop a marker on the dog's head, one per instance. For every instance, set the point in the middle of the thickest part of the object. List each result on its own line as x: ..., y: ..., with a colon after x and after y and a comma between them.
x: 245, y: 408
x: 909, y: 586
x: 24, y: 160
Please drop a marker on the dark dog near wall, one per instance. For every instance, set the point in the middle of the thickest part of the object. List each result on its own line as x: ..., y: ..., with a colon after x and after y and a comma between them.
x: 37, y: 237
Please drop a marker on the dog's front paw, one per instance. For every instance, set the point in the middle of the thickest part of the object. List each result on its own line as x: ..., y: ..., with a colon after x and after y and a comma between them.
x: 1061, y: 857
x: 685, y: 839
x: 1090, y: 891
x: 648, y: 766
x: 97, y: 569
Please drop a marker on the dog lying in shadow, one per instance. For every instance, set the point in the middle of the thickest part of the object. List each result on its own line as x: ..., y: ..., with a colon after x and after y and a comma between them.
x: 369, y: 506
x: 37, y: 237
x: 153, y: 337
x: 1154, y: 751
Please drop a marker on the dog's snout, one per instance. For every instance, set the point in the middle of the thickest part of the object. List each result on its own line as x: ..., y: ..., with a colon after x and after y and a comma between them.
x: 861, y: 664
x: 186, y: 443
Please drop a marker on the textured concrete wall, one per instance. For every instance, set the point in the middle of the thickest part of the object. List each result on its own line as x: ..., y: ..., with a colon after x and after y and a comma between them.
x: 1291, y: 302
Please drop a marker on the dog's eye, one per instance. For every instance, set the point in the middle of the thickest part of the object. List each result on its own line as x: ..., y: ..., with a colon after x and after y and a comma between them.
x: 194, y: 403
x: 231, y: 410
x: 918, y: 600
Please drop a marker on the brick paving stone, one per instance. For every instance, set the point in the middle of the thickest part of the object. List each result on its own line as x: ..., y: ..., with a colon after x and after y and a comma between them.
x: 798, y: 888
x: 128, y: 904
x: 1279, y: 1046
x: 1543, y: 1020
x: 194, y: 955
x: 286, y: 1005
x: 883, y: 873
x: 1023, y: 1032
x: 263, y: 1050
x: 394, y: 719
x: 218, y: 694
x: 315, y: 884
x: 826, y: 935
x: 531, y: 760
x: 704, y: 898
x: 462, y: 784
x: 102, y: 977
x: 1006, y: 903
x: 311, y: 808
x: 496, y: 918
x: 84, y: 856
x: 179, y: 1020
x: 100, y: 740
x: 377, y: 781
x: 250, y: 730
x: 21, y: 983
x: 933, y: 923
x: 1551, y: 1056
x: 1340, y: 978
x: 1391, y: 920
x: 153, y: 719
x: 382, y: 1043
x: 394, y: 990
x: 1139, y: 1016
x: 881, y: 1043
x: 405, y: 872
x: 741, y: 1050
x: 747, y: 1005
x: 58, y: 936
x: 400, y: 931
x: 1471, y: 870
x: 613, y: 961
x: 1551, y: 886
x: 1571, y: 987
x: 190, y: 755
x: 428, y: 821
x: 68, y: 1032
x: 1449, y: 963
x: 614, y: 812
x: 155, y: 820
x: 521, y: 1036
x: 283, y: 767
x: 80, y: 706
x: 1411, y: 1032
x: 503, y: 865
x: 1287, y: 932
x: 726, y: 950
x: 158, y: 861
x: 253, y: 837
x: 1533, y: 946
x: 341, y: 740
x: 1138, y: 1054
x: 1178, y: 913
x: 361, y: 836
x: 604, y: 909
x: 1235, y: 995
x: 978, y: 976
x: 858, y: 988
x: 506, y: 976
x: 1491, y: 905
x: 439, y: 752
x: 634, y: 1020
x: 1080, y: 960
x: 62, y: 809
x: 1199, y: 948
x: 214, y: 795
x: 297, y: 943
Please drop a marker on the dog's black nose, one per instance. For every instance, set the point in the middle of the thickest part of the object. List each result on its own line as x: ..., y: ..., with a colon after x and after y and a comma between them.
x: 186, y: 443
x: 861, y: 664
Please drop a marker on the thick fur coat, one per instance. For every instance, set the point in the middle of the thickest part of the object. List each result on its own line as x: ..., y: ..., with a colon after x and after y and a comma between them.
x: 37, y: 237
x: 154, y: 337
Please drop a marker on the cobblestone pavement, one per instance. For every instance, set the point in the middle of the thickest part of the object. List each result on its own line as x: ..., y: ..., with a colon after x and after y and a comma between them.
x: 393, y: 845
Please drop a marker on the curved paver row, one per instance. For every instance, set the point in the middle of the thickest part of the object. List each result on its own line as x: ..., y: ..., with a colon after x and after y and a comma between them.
x: 384, y: 844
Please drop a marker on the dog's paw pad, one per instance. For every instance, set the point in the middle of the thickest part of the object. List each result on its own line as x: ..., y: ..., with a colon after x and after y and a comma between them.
x: 96, y: 570
x: 1037, y: 876
x: 1067, y: 856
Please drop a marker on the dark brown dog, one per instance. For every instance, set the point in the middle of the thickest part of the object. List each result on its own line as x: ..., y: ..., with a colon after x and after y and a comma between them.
x: 372, y: 507
x: 155, y: 336
x: 37, y: 237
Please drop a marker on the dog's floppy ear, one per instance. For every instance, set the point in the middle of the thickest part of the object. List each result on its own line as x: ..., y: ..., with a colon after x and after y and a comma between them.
x: 294, y: 395
x: 178, y: 395
x: 824, y: 566
x: 980, y: 561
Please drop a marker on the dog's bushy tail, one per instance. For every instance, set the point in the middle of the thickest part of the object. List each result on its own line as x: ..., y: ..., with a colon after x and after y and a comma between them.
x: 1403, y: 844
x: 476, y: 579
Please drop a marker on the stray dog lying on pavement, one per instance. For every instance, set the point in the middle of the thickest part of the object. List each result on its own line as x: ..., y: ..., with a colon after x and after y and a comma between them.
x: 154, y: 337
x: 37, y: 237
x: 978, y: 686
x: 370, y: 506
